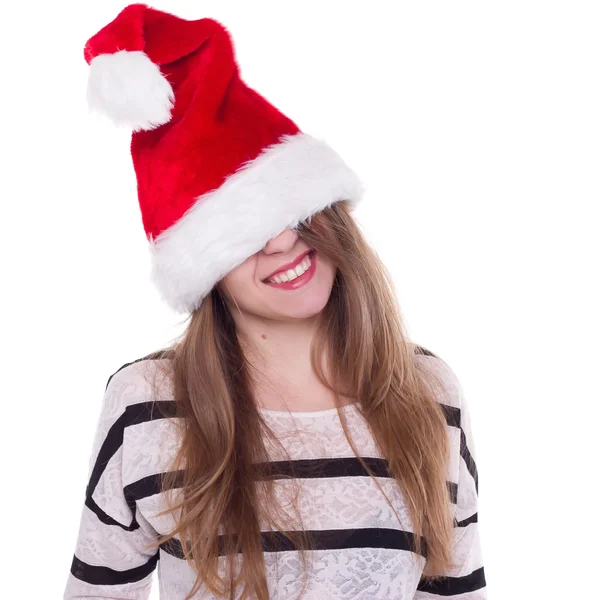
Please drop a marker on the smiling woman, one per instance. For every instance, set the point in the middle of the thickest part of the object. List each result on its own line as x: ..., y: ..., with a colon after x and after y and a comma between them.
x: 368, y: 488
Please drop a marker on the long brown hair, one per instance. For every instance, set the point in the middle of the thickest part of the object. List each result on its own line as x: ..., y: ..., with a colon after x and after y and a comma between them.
x: 222, y: 495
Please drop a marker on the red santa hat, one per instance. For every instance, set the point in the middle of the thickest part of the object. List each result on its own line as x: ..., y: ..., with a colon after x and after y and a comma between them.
x: 220, y: 170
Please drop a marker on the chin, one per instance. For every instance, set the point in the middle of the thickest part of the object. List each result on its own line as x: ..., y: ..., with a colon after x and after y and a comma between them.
x: 301, y: 306
x: 304, y: 312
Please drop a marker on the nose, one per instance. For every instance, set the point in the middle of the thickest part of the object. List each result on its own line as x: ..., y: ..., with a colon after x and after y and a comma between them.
x: 282, y: 242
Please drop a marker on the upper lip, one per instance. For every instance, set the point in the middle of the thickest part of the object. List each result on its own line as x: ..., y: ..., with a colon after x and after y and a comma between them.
x: 289, y: 265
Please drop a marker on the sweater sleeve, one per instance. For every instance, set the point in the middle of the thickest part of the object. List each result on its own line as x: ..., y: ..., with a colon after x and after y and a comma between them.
x: 111, y: 559
x: 467, y: 580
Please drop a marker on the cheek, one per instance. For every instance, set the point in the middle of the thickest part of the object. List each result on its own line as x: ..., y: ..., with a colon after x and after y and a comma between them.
x: 326, y: 269
x: 239, y: 281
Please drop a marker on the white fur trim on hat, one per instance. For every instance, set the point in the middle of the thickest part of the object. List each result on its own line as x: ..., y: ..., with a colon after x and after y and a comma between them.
x: 287, y: 183
x: 130, y: 89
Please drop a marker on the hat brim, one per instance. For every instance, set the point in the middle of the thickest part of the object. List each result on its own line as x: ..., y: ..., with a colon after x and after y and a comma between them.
x: 287, y: 183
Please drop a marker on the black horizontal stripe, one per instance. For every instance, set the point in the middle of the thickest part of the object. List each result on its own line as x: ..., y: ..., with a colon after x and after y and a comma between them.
x: 338, y: 539
x: 327, y: 539
x: 107, y: 576
x: 323, y: 467
x: 472, y: 519
x: 452, y: 586
x: 314, y: 468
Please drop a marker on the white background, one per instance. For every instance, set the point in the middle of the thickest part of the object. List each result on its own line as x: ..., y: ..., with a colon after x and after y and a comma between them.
x: 476, y: 128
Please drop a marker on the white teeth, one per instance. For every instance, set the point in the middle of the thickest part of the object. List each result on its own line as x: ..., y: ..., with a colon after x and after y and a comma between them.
x: 292, y: 274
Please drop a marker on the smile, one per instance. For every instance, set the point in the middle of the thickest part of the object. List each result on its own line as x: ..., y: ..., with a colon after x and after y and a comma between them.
x: 294, y: 278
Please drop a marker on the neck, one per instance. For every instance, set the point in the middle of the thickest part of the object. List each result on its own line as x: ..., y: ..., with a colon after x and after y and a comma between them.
x: 279, y: 351
x: 277, y: 344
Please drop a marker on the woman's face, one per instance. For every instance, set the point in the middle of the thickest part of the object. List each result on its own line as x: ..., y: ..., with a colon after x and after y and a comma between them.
x: 265, y: 286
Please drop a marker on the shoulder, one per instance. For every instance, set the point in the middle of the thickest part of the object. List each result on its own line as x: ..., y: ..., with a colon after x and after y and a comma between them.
x: 139, y: 368
x: 142, y: 380
x: 444, y: 382
x: 449, y: 393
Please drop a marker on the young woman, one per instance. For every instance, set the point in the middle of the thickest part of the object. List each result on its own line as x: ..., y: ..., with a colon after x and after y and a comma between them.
x: 293, y: 442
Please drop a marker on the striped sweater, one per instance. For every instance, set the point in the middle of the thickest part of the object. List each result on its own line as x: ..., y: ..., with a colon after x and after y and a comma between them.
x: 361, y: 550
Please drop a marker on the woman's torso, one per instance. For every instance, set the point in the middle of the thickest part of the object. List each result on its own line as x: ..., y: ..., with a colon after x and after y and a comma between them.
x: 362, y: 551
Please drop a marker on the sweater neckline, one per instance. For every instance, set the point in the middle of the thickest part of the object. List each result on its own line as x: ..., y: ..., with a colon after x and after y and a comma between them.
x: 308, y: 413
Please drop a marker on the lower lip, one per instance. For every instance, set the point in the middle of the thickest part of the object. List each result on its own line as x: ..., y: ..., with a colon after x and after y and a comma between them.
x: 299, y: 281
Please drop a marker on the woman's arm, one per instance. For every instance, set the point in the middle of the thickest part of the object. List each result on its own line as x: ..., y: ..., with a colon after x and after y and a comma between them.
x: 467, y: 580
x: 110, y: 559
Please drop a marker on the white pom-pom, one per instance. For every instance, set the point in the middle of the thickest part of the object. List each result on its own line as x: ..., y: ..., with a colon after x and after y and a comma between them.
x: 130, y: 89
